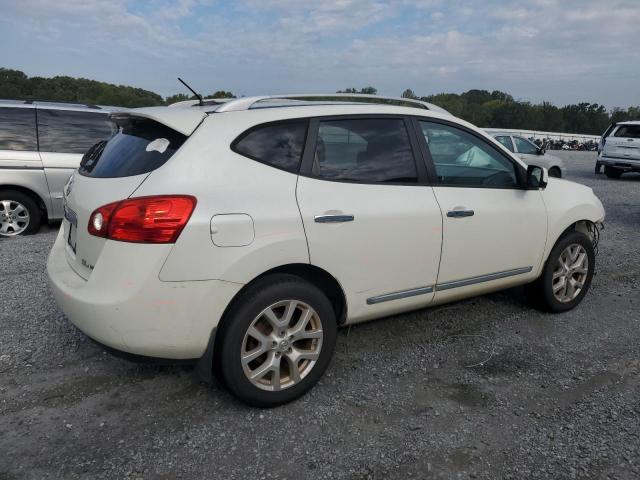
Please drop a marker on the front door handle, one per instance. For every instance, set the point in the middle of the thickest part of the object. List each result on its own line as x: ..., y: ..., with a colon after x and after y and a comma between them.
x: 460, y: 213
x: 333, y: 218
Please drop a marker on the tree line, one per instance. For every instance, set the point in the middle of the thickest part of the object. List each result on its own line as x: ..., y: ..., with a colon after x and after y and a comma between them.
x: 483, y: 108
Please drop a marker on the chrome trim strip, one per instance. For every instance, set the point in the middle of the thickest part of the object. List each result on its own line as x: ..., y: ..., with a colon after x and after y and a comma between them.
x: 482, y: 278
x: 21, y: 167
x: 397, y: 295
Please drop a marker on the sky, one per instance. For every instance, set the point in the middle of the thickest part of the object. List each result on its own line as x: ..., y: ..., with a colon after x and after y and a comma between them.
x: 563, y: 51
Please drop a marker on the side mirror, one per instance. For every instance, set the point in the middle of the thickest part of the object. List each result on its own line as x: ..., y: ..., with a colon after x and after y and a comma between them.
x: 541, y: 150
x: 537, y: 177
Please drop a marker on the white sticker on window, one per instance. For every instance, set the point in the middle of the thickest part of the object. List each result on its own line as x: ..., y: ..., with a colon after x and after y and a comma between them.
x: 158, y: 145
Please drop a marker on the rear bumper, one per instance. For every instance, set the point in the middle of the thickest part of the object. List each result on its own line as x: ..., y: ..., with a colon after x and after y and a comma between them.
x: 125, y: 306
x: 621, y: 163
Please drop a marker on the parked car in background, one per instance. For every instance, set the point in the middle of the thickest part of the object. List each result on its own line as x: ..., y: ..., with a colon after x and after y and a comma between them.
x: 620, y: 149
x: 242, y: 235
x: 41, y: 144
x: 601, y: 142
x: 531, y: 153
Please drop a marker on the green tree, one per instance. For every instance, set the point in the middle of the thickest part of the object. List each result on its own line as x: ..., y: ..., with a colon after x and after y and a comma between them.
x: 408, y: 93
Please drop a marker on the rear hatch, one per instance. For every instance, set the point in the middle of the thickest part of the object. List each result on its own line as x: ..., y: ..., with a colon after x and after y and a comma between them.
x: 112, y: 171
x: 624, y: 143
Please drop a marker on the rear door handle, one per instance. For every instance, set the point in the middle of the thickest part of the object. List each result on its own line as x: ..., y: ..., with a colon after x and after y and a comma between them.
x: 333, y: 218
x: 460, y: 213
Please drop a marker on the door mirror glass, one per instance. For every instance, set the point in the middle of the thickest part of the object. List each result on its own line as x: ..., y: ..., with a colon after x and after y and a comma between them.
x: 537, y: 177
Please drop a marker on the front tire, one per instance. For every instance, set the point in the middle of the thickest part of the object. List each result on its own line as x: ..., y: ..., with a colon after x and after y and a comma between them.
x: 612, y: 172
x: 19, y: 214
x: 276, y: 341
x: 567, y: 274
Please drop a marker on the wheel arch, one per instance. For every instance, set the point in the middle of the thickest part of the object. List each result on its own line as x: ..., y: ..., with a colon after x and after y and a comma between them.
x: 311, y: 273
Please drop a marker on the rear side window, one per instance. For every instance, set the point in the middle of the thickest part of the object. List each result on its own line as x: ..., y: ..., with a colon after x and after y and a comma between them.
x: 279, y: 145
x: 367, y: 150
x: 628, y: 131
x: 65, y: 131
x: 18, y: 129
x: 139, y: 147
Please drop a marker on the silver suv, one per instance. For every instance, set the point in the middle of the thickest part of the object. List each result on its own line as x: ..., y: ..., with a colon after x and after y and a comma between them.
x: 620, y: 149
x: 41, y: 144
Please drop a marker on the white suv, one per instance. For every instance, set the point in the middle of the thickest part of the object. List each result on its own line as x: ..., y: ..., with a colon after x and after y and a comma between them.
x: 620, y: 149
x: 243, y: 235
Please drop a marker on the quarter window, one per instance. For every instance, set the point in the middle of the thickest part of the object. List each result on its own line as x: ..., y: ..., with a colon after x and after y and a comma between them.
x: 18, y: 129
x: 462, y: 159
x: 506, y: 141
x: 364, y: 150
x: 525, y: 146
x: 279, y: 145
x: 65, y: 131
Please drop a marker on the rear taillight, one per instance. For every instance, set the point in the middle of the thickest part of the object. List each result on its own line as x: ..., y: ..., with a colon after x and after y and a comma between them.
x: 156, y: 219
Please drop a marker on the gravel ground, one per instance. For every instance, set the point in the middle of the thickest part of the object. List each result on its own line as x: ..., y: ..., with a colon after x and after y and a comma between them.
x: 557, y: 399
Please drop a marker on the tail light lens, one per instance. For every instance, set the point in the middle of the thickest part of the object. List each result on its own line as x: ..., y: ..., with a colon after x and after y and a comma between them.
x: 156, y: 219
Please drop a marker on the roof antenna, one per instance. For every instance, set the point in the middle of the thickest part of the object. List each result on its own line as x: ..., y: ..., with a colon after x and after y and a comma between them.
x: 198, y: 96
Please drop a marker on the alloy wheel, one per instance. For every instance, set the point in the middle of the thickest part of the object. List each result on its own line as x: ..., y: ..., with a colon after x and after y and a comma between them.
x: 14, y: 218
x: 570, y: 273
x: 282, y: 345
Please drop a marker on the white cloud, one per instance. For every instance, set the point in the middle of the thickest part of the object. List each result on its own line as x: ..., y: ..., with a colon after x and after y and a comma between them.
x: 563, y: 51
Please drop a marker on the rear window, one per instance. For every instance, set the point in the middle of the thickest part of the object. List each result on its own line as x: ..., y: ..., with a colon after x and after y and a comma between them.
x: 65, y: 131
x: 628, y: 131
x: 140, y: 146
x: 18, y: 129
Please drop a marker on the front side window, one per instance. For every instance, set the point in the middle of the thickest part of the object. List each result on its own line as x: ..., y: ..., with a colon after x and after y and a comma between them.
x: 628, y: 131
x: 525, y: 146
x: 279, y: 145
x: 65, y: 131
x: 506, y: 141
x: 369, y: 150
x: 18, y: 129
x: 462, y: 159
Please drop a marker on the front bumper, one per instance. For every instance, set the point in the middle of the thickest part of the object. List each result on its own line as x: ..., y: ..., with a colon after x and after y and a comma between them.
x: 125, y: 306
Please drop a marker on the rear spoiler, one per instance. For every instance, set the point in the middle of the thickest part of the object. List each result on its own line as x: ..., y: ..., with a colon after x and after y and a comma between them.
x: 181, y: 120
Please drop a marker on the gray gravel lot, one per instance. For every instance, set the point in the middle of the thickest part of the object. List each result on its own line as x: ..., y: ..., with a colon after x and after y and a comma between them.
x: 558, y: 399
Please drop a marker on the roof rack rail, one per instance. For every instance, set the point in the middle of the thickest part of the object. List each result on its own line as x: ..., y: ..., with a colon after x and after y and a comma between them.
x: 247, y: 103
x: 64, y: 102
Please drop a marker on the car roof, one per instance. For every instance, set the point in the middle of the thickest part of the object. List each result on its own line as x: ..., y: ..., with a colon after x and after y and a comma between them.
x: 185, y: 120
x: 73, y: 106
x: 219, y: 105
x: 628, y: 122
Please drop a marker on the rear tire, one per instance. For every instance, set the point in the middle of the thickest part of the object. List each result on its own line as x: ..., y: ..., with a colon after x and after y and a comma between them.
x: 612, y: 172
x: 567, y: 274
x: 276, y: 341
x: 19, y: 214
